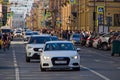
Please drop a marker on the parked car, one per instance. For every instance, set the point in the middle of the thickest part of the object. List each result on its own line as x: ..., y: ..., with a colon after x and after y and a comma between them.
x: 89, y: 40
x: 59, y: 55
x: 35, y: 43
x: 75, y: 38
x: 102, y: 41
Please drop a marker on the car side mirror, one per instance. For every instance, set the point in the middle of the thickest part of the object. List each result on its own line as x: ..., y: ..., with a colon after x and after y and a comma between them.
x: 78, y: 49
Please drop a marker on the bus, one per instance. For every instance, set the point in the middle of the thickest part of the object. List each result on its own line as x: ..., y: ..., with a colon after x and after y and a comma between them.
x: 6, y: 29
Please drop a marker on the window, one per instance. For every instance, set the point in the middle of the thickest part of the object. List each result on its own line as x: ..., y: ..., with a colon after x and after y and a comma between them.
x: 116, y: 19
x: 6, y: 0
x: 117, y: 0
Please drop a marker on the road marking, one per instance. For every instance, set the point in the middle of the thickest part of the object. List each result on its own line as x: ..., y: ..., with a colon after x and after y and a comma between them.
x: 118, y: 67
x: 17, y: 76
x: 103, y: 61
x: 98, y: 74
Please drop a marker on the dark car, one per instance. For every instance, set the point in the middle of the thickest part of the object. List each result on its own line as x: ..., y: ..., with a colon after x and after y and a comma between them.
x: 75, y: 38
x: 54, y: 38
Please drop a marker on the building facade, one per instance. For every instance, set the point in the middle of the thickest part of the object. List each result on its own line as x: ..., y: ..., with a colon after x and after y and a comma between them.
x: 1, y: 15
x: 88, y: 15
x: 109, y: 17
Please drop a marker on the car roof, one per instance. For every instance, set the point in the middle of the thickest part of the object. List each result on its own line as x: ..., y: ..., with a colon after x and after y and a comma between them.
x: 58, y: 42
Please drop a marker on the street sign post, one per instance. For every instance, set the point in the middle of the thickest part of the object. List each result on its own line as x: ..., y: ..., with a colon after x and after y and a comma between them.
x: 100, y: 9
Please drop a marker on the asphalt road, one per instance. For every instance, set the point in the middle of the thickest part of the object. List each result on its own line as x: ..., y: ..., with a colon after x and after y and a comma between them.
x: 95, y: 65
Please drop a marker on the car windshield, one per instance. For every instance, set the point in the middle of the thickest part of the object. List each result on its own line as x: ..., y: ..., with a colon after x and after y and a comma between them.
x: 107, y: 35
x: 35, y: 33
x: 59, y: 46
x: 28, y: 33
x: 40, y: 40
x: 5, y: 30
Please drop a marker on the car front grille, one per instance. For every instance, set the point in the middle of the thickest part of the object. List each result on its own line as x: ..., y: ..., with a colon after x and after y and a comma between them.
x: 36, y: 49
x: 57, y: 61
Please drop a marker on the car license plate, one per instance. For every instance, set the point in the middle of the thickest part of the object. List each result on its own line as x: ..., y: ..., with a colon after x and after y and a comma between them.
x: 60, y: 62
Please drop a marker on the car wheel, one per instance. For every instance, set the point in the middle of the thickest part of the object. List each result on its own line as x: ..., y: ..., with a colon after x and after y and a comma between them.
x: 76, y: 69
x: 104, y: 47
x: 27, y: 59
x: 42, y: 69
x: 98, y: 47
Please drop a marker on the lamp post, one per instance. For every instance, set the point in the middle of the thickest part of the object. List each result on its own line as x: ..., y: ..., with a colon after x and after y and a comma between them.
x: 94, y: 17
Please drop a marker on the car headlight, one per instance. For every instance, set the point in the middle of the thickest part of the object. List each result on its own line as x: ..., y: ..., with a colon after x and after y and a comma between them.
x: 29, y: 47
x: 75, y: 57
x: 46, y: 57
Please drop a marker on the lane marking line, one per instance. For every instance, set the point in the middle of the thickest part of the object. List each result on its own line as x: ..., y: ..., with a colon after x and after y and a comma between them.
x: 17, y: 76
x: 96, y: 73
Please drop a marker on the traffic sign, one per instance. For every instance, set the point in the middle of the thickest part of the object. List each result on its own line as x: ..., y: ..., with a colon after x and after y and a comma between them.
x: 100, y: 9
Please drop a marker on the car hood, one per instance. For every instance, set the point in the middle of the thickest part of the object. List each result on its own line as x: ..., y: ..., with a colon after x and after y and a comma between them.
x: 60, y: 53
x: 36, y: 45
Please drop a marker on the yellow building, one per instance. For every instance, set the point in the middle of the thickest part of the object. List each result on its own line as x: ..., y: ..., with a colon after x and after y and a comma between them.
x: 33, y: 21
x: 87, y: 15
x: 110, y: 16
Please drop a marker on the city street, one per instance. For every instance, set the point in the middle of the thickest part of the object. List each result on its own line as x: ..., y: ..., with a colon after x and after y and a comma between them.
x: 95, y: 65
x: 44, y: 24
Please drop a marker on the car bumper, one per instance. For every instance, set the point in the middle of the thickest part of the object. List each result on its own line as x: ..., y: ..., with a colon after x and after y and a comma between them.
x: 48, y: 64
x: 33, y: 54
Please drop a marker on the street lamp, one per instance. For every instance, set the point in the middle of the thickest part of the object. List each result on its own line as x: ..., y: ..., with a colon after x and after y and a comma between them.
x: 94, y: 17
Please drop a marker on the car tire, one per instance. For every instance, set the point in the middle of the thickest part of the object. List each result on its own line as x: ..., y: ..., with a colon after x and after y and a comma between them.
x: 27, y: 59
x: 76, y: 69
x: 42, y: 69
x: 105, y: 47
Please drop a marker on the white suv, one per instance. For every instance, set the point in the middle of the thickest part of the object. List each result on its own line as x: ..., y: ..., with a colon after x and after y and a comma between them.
x: 35, y: 43
x: 59, y: 55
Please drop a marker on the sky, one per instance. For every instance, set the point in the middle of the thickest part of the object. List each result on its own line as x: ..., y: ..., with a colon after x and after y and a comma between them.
x: 23, y: 6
